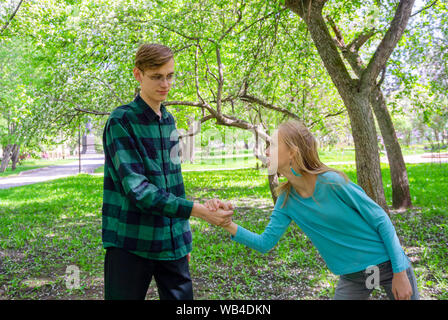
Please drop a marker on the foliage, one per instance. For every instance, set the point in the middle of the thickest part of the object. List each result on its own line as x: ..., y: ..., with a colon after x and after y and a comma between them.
x: 59, y: 57
x: 85, y: 50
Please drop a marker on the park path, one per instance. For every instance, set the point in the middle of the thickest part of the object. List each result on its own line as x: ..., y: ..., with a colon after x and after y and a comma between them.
x: 90, y: 162
x: 434, y: 158
x: 88, y: 165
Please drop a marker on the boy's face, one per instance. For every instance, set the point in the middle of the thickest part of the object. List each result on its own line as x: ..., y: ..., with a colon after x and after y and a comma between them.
x: 155, y: 83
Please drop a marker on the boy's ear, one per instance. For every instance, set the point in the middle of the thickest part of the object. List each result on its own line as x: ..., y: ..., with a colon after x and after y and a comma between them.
x: 137, y: 74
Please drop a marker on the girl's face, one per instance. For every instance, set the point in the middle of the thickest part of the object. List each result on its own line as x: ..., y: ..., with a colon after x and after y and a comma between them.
x: 279, y: 155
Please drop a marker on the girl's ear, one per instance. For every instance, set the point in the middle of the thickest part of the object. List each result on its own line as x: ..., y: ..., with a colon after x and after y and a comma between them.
x: 290, y: 154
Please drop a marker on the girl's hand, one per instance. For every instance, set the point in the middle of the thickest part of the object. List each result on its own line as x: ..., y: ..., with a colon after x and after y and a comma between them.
x: 231, y: 228
x: 216, y: 204
x: 401, y: 287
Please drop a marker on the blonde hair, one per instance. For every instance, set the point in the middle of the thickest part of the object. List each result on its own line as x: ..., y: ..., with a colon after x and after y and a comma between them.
x: 304, y: 146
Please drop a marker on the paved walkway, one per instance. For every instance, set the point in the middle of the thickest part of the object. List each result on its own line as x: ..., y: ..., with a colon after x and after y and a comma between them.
x: 424, y: 158
x: 415, y: 158
x: 88, y: 165
x: 90, y: 162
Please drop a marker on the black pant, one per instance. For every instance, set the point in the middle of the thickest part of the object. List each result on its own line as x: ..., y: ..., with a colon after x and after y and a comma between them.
x: 127, y: 277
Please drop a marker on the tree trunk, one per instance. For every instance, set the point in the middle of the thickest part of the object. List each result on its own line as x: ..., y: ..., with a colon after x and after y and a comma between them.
x: 368, y: 169
x: 436, y: 135
x: 191, y: 143
x: 401, y: 196
x: 15, y: 156
x: 356, y: 92
x: 6, y: 157
x: 273, y: 183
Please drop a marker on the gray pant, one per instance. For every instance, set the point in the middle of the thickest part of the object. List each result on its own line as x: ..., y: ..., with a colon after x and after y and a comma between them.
x: 354, y: 286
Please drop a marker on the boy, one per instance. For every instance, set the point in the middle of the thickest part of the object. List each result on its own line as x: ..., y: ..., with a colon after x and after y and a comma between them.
x: 146, y: 230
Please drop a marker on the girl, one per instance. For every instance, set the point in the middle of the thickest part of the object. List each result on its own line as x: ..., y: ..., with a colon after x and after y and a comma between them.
x: 352, y: 233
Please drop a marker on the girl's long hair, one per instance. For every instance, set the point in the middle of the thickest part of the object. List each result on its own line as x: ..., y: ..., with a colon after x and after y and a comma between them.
x: 304, y: 146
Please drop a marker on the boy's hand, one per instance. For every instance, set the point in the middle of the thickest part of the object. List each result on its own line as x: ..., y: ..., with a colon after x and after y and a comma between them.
x: 215, y: 204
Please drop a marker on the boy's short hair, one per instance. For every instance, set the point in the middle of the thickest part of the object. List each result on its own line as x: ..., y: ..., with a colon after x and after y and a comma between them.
x: 152, y: 56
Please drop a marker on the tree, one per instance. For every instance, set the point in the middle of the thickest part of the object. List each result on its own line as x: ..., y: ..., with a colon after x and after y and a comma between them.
x: 356, y: 92
x: 401, y: 197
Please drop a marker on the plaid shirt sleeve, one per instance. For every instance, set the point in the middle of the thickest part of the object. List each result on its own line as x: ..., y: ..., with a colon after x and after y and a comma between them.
x: 128, y: 164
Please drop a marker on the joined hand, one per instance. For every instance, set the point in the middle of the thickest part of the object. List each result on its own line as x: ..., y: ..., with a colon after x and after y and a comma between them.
x: 215, y: 205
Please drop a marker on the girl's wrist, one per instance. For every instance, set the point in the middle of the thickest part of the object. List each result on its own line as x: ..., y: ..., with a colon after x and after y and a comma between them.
x: 400, y: 274
x: 231, y: 228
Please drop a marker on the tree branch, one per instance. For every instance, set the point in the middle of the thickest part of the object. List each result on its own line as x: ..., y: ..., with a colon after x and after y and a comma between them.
x: 327, y: 116
x: 358, y: 42
x: 110, y: 88
x: 383, y: 76
x: 427, y: 7
x: 98, y: 113
x: 387, y: 45
x: 208, y: 69
x: 339, y: 37
x: 196, y: 77
x: 311, y: 14
x: 184, y: 35
x: 221, y: 79
x: 261, y: 19
x: 240, y: 16
x: 198, y: 129
x: 222, y: 119
x: 350, y: 52
x: 10, y: 18
x: 79, y: 108
x: 252, y: 99
x: 192, y: 104
x: 181, y: 49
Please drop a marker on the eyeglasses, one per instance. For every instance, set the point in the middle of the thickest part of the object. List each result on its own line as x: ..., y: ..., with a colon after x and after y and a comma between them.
x: 160, y: 78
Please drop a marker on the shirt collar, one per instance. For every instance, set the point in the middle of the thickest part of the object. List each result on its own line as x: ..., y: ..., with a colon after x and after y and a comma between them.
x: 147, y: 110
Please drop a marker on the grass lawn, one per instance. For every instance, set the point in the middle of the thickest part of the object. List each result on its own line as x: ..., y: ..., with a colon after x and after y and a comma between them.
x: 47, y: 227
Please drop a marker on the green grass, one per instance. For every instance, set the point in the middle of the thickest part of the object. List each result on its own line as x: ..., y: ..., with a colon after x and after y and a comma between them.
x: 46, y: 227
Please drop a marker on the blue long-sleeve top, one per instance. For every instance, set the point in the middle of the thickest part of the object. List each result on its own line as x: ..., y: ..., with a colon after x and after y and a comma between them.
x: 350, y: 231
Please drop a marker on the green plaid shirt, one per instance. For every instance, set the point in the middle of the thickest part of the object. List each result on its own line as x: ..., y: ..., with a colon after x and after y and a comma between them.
x: 144, y: 206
